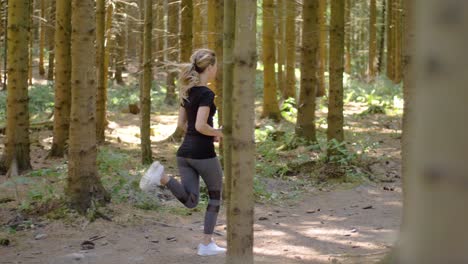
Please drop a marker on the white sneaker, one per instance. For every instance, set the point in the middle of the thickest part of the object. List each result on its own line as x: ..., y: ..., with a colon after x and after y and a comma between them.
x: 152, y: 177
x: 210, y: 250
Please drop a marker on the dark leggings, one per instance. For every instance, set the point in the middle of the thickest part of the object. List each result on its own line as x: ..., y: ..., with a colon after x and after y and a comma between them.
x: 187, y: 191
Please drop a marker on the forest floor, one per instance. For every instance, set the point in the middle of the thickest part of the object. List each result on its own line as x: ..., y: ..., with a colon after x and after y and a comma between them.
x: 296, y: 220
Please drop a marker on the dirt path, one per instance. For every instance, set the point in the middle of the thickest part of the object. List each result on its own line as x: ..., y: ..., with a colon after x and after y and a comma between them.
x: 326, y: 227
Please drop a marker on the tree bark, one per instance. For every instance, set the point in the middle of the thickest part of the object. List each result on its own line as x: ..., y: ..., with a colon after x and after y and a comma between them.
x: 390, y: 40
x: 50, y: 39
x: 198, y: 40
x: 323, y: 47
x: 290, y: 88
x: 228, y: 72
x: 219, y: 49
x: 240, y: 246
x: 382, y: 38
x: 335, y: 103
x: 186, y: 34
x: 305, y: 125
x: 437, y: 169
x: 398, y: 42
x: 372, y: 39
x: 42, y: 38
x: 348, y: 34
x: 280, y: 44
x: 31, y: 42
x: 408, y: 88
x: 120, y: 42
x: 84, y: 188
x: 173, y: 47
x: 160, y: 25
x: 17, y: 130
x: 146, y: 153
x: 62, y: 78
x: 270, y: 99
x: 101, y: 71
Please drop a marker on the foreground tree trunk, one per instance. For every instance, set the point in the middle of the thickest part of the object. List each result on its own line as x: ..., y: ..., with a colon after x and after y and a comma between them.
x: 146, y: 153
x: 240, y: 245
x: 62, y: 78
x: 408, y: 90
x: 228, y: 72
x: 437, y: 172
x: 305, y: 125
x: 84, y: 187
x: 290, y: 88
x: 17, y: 129
x: 219, y: 49
x: 270, y: 99
x: 335, y: 103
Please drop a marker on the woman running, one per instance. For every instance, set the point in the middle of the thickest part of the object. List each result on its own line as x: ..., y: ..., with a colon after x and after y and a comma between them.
x: 196, y: 156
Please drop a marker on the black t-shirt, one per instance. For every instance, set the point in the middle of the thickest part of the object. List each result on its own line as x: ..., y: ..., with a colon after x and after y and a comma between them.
x: 196, y: 145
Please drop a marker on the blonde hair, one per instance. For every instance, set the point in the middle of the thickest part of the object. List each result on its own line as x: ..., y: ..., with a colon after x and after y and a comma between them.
x: 190, y: 74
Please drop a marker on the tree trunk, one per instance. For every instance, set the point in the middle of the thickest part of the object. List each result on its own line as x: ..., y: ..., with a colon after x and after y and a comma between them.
x: 390, y: 40
x: 219, y: 49
x: 240, y: 245
x: 101, y: 71
x: 62, y: 78
x: 335, y: 104
x: 198, y: 41
x: 348, y: 34
x: 270, y: 99
x: 228, y: 72
x: 5, y: 43
x: 408, y: 88
x: 42, y: 38
x: 290, y: 88
x: 322, y: 48
x: 120, y: 42
x: 161, y: 36
x: 280, y: 44
x: 211, y: 27
x: 186, y: 34
x: 31, y: 42
x: 382, y: 38
x: 17, y: 129
x: 146, y: 153
x: 437, y: 174
x: 372, y: 39
x: 398, y: 42
x: 84, y: 187
x: 173, y: 47
x: 50, y: 39
x: 305, y: 125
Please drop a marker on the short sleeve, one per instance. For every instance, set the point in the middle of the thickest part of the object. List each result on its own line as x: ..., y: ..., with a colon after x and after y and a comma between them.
x: 207, y: 98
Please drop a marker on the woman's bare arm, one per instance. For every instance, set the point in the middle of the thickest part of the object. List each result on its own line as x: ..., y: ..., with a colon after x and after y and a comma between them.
x: 182, y: 119
x: 201, y: 124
